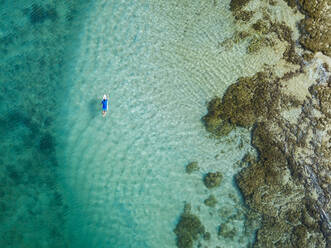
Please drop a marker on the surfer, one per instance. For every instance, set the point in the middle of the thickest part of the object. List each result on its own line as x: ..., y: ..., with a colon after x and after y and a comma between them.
x: 104, y: 105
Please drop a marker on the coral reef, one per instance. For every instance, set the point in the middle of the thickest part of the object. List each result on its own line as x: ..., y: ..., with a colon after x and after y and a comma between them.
x: 280, y: 185
x: 213, y: 179
x: 30, y: 197
x: 288, y: 184
x: 188, y: 229
x: 242, y: 103
x: 206, y: 236
x: 191, y: 167
x: 210, y: 201
x: 243, y: 15
x: 257, y: 43
x: 316, y: 33
x: 291, y: 3
x: 261, y: 26
x: 237, y: 5
x: 39, y: 14
x: 226, y: 231
x: 213, y: 121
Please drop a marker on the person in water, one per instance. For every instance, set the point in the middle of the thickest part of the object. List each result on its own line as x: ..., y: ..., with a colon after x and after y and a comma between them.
x: 104, y: 105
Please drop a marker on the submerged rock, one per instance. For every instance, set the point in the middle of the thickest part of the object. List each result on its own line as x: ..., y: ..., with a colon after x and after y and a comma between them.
x: 236, y: 5
x: 191, y: 167
x: 279, y: 175
x: 206, y: 236
x: 188, y: 230
x: 316, y: 34
x: 213, y: 120
x: 261, y: 26
x: 244, y: 15
x: 257, y: 43
x: 226, y: 231
x: 213, y: 179
x: 210, y: 201
x: 245, y: 101
x: 39, y: 14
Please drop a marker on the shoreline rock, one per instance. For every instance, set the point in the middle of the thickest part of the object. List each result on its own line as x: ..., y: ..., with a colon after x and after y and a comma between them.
x: 289, y: 184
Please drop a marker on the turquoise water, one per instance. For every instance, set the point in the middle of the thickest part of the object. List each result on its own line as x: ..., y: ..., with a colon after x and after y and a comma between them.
x: 34, y: 39
x: 74, y: 179
x: 126, y: 172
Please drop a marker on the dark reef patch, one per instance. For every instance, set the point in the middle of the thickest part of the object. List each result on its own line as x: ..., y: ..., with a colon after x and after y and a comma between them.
x: 40, y: 14
x: 188, y: 229
x: 213, y: 179
x: 242, y: 103
x: 191, y: 167
x: 47, y: 143
x: 33, y: 54
x: 257, y: 101
x: 236, y: 5
x: 210, y: 201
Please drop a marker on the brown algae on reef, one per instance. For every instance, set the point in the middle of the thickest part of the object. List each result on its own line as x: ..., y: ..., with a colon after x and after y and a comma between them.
x: 211, y: 201
x: 243, y: 103
x: 188, y: 229
x: 213, y: 179
x: 282, y: 184
x: 275, y: 176
x: 191, y: 167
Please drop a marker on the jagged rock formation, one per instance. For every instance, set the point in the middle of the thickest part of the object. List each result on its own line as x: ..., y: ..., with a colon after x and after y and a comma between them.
x: 289, y: 184
x: 316, y: 32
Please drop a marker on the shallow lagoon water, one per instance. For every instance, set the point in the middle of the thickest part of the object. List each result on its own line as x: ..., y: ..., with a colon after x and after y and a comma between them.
x: 126, y: 172
x: 120, y: 181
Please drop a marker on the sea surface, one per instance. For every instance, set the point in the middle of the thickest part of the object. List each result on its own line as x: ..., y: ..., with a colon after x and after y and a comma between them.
x: 71, y: 178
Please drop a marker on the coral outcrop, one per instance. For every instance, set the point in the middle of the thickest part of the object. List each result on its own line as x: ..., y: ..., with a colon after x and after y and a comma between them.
x: 226, y: 231
x: 191, y: 167
x: 316, y: 32
x: 213, y: 179
x: 290, y: 192
x: 243, y: 104
x: 236, y: 5
x: 210, y: 201
x: 315, y: 27
x: 213, y: 121
x: 288, y: 185
x: 188, y: 229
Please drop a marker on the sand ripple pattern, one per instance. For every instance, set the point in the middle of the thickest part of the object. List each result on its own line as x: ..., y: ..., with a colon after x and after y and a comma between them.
x: 159, y: 62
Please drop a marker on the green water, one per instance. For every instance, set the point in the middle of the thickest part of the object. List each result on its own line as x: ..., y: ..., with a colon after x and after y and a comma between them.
x: 70, y: 178
x: 35, y: 42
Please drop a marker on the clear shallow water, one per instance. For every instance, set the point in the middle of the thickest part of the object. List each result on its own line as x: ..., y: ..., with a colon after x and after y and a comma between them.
x: 72, y: 178
x: 159, y: 63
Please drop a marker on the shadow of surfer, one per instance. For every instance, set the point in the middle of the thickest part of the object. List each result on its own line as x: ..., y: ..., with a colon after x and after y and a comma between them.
x: 104, y: 105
